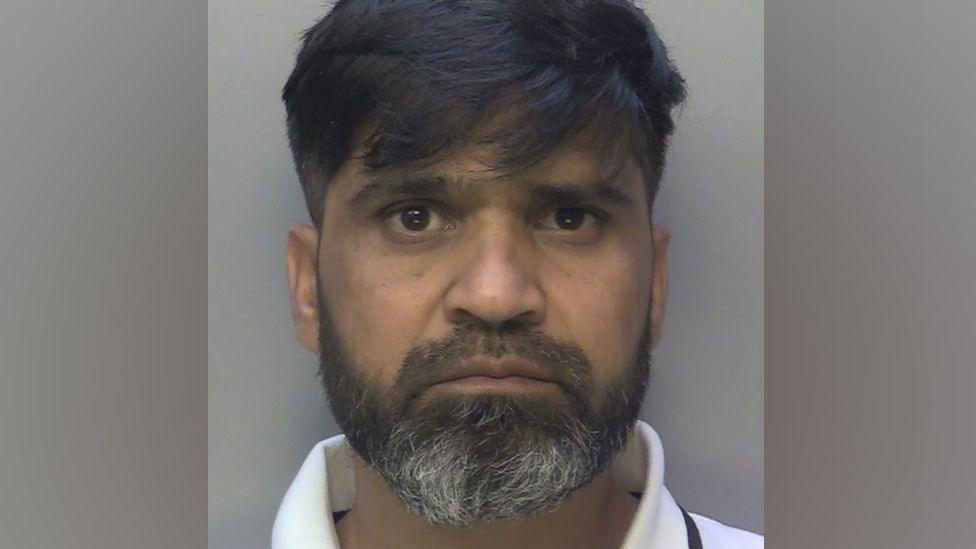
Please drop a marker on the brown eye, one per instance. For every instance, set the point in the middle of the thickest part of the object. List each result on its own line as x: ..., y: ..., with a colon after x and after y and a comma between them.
x: 570, y: 219
x: 414, y: 223
x: 573, y: 224
x: 415, y: 219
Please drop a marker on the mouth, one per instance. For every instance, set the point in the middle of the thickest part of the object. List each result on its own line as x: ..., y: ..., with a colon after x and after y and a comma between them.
x: 509, y: 376
x: 487, y: 384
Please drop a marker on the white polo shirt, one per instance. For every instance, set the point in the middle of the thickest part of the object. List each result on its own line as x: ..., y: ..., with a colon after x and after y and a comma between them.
x: 325, y: 484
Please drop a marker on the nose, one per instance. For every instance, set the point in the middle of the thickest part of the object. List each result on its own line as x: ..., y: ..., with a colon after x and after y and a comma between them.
x: 496, y: 284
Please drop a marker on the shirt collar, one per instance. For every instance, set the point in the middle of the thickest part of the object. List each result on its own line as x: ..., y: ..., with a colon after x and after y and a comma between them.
x: 325, y: 484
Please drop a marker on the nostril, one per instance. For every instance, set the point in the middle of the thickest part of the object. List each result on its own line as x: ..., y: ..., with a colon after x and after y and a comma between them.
x: 519, y: 322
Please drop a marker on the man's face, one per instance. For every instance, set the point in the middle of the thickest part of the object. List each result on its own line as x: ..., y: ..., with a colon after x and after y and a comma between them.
x: 543, y: 291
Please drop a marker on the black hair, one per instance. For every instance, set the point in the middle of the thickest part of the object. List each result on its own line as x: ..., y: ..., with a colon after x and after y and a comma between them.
x: 426, y: 75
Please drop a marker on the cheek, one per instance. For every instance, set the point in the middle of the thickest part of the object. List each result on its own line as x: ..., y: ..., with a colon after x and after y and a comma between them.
x: 603, y: 308
x: 378, y: 311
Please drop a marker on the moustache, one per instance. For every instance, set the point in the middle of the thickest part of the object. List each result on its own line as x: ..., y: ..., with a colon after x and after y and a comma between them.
x: 558, y: 361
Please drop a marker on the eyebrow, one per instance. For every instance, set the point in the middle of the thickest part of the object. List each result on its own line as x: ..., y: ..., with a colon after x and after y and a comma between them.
x: 439, y: 184
x: 600, y: 191
x: 412, y: 185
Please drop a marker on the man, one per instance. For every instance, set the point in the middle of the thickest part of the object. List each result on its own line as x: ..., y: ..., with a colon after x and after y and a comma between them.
x: 483, y: 282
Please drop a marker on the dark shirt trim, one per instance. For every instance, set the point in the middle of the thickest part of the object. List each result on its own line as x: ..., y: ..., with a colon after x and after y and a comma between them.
x: 694, y: 538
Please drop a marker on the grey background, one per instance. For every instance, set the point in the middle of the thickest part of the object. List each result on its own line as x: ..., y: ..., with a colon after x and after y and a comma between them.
x: 102, y: 275
x: 266, y: 408
x: 870, y: 269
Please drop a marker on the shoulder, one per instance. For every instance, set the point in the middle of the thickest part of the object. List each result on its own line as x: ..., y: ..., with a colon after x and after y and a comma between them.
x: 716, y: 535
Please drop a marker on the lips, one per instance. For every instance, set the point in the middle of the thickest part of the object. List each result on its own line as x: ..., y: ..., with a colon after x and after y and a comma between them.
x: 497, y: 369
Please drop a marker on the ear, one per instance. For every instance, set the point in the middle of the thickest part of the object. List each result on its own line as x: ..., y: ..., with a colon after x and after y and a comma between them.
x: 301, y: 256
x: 659, y: 281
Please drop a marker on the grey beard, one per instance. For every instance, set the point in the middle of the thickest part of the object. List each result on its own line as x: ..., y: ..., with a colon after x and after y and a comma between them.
x: 491, y: 463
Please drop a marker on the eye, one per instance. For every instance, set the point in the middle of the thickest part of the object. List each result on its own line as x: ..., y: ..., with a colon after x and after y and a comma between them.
x: 414, y: 222
x: 573, y: 224
x: 570, y: 218
x: 415, y: 219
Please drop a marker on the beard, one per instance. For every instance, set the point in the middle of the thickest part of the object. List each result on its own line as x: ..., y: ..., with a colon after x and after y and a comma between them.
x: 460, y: 460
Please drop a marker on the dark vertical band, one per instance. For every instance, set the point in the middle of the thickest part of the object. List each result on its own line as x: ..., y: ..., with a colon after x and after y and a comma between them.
x: 694, y: 538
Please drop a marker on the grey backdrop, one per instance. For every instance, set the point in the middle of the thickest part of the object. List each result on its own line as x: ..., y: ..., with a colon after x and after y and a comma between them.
x: 266, y: 408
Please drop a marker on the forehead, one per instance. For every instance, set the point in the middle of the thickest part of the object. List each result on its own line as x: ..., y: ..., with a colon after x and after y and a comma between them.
x: 571, y: 164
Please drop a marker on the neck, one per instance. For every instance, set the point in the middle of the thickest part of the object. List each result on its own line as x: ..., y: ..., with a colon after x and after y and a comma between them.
x: 596, y: 515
